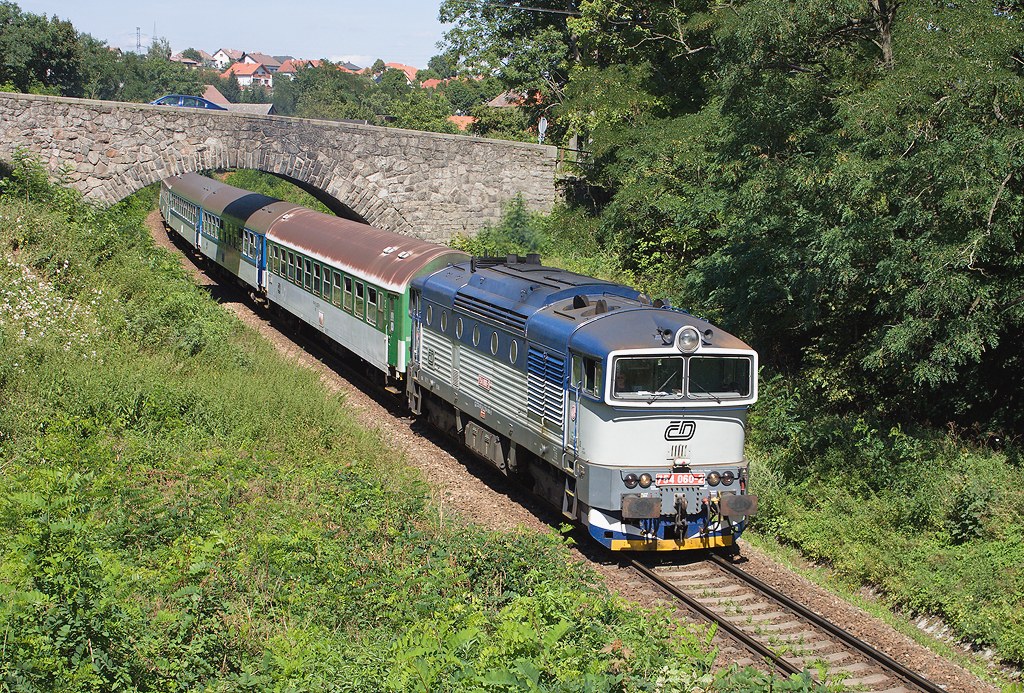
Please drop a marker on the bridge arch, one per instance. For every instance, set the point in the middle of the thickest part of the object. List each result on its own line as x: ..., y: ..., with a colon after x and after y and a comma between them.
x: 423, y: 184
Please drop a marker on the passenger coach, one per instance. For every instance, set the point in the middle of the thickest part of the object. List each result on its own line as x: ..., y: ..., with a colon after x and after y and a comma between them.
x: 348, y: 280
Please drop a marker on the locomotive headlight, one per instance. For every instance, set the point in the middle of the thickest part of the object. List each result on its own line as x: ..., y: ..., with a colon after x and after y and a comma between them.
x: 728, y: 478
x: 630, y: 480
x: 688, y: 339
x: 714, y: 478
x: 646, y: 480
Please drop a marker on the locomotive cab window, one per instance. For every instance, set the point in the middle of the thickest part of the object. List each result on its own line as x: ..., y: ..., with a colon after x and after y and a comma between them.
x: 587, y: 375
x: 648, y: 377
x: 718, y: 377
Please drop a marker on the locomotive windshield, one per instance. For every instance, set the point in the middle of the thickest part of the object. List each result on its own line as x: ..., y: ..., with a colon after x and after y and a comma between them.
x: 718, y: 377
x: 650, y: 378
x: 647, y: 377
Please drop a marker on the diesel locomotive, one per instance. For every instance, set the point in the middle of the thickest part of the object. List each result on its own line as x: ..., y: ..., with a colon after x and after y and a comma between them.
x: 626, y: 414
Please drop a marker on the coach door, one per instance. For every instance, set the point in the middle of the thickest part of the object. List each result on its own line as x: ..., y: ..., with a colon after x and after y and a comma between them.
x: 417, y: 326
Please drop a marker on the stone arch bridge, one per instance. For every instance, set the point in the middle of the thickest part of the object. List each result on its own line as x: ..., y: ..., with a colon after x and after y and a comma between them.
x: 417, y: 183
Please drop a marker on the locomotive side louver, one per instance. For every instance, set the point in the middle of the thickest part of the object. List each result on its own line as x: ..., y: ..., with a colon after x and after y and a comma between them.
x: 545, y: 374
x: 513, y: 320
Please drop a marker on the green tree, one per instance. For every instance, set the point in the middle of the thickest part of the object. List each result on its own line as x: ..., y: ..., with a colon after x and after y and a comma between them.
x: 326, y: 92
x: 286, y: 96
x: 443, y: 66
x: 159, y: 48
x: 530, y: 51
x: 39, y: 54
x: 423, y: 110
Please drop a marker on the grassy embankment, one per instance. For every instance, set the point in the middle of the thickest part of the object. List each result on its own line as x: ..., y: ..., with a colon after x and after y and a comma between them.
x: 930, y: 519
x: 182, y: 508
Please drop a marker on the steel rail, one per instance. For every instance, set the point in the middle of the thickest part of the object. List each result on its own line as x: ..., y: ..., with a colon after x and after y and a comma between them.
x: 843, y: 636
x: 743, y: 638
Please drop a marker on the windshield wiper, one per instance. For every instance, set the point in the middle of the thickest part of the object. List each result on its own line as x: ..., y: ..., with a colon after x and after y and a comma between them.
x: 691, y: 381
x: 659, y: 391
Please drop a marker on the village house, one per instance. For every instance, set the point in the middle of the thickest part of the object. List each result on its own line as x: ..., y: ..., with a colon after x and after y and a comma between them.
x: 269, y: 62
x: 225, y: 57
x: 249, y: 75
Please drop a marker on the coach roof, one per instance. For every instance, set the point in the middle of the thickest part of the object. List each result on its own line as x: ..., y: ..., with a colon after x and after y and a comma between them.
x: 389, y: 258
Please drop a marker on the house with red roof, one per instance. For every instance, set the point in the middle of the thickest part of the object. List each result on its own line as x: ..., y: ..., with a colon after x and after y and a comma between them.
x: 213, y: 95
x: 290, y: 67
x: 462, y: 122
x: 409, y: 70
x: 249, y: 75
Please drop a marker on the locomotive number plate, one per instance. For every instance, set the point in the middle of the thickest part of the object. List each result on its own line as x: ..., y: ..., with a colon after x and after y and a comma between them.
x: 679, y: 479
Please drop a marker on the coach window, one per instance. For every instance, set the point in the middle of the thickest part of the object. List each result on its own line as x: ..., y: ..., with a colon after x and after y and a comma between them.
x: 360, y: 299
x: 291, y: 265
x: 336, y: 293
x: 371, y: 305
x: 316, y: 278
x: 309, y: 274
x: 348, y: 294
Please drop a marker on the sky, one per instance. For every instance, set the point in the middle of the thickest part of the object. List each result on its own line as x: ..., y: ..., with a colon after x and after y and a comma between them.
x: 357, y: 31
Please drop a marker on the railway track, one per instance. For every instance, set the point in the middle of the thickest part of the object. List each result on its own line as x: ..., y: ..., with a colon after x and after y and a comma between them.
x: 779, y: 631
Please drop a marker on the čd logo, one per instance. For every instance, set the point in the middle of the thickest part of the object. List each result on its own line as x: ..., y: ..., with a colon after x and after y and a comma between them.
x: 680, y: 430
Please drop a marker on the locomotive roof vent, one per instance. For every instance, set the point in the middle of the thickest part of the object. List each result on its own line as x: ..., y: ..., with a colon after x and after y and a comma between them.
x: 583, y: 307
x: 390, y: 249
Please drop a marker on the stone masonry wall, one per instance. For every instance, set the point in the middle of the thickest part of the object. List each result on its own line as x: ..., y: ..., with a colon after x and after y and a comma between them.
x: 417, y: 183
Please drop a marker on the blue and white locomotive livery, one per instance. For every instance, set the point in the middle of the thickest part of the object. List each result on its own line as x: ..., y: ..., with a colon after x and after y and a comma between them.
x: 626, y: 414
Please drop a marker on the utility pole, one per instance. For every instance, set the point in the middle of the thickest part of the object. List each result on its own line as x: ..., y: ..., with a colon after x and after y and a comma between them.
x: 138, y: 39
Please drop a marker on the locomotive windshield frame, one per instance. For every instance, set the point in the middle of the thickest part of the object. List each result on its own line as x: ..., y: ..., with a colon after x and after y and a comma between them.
x: 707, y: 377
